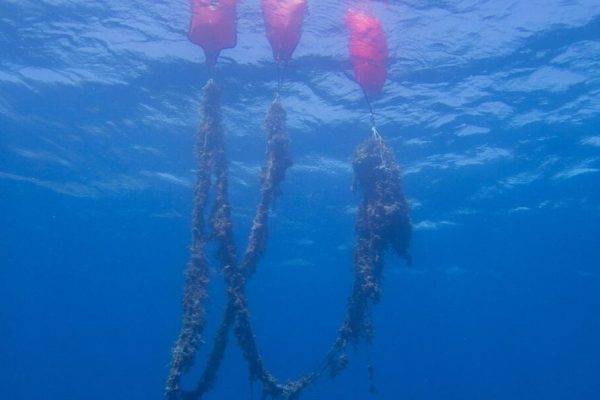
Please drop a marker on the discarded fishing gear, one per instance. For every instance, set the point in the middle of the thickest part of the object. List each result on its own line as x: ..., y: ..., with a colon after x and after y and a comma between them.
x: 382, y: 222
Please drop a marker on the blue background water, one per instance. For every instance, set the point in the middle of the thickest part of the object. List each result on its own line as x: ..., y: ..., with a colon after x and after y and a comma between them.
x: 492, y: 109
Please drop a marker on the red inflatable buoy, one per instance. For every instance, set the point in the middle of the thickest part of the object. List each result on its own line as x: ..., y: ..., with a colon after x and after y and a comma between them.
x: 213, y: 26
x: 283, y: 20
x: 368, y: 51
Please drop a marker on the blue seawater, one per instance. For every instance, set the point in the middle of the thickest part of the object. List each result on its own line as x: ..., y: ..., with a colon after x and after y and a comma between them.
x: 492, y: 109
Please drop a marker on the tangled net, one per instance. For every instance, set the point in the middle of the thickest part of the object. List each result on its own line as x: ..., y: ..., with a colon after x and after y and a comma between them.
x: 382, y: 222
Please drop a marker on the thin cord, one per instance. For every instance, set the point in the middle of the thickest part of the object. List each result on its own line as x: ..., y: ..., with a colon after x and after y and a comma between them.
x: 281, y: 67
x: 372, y: 114
x: 371, y: 373
x: 374, y: 132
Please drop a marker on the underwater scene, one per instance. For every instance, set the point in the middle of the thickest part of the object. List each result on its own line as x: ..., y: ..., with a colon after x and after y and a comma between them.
x: 299, y: 199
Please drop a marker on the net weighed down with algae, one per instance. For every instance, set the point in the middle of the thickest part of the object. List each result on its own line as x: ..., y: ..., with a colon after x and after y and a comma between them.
x: 382, y: 222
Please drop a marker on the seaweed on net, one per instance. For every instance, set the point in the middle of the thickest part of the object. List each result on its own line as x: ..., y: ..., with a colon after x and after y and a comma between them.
x: 384, y: 212
x: 273, y: 172
x: 197, y: 273
x: 382, y: 222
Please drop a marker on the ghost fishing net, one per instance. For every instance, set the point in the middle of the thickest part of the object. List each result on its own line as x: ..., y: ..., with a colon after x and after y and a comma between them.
x: 382, y: 222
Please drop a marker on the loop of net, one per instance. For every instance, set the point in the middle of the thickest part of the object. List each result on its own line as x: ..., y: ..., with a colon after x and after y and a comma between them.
x: 382, y: 222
